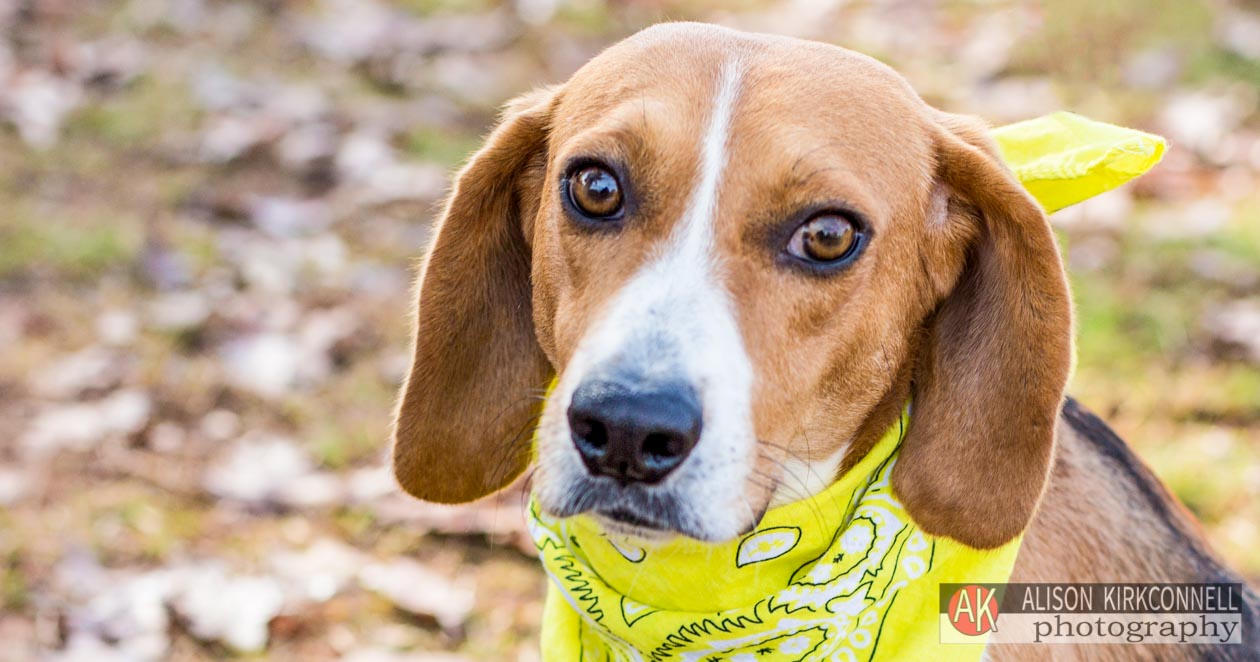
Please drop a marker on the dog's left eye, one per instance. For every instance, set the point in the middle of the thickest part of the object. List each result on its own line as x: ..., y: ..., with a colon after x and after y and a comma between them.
x: 595, y: 192
x: 827, y: 238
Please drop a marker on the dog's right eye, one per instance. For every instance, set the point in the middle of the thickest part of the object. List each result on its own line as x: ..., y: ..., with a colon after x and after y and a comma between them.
x: 826, y: 239
x: 595, y: 192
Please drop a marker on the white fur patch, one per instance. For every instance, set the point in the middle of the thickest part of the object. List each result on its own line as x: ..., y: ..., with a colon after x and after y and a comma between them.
x: 802, y: 479
x: 674, y: 320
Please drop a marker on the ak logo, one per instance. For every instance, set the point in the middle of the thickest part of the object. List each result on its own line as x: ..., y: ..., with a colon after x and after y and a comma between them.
x: 973, y: 610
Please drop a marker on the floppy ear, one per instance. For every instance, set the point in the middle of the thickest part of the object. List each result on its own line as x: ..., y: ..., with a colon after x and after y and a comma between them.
x: 989, y: 383
x: 465, y: 414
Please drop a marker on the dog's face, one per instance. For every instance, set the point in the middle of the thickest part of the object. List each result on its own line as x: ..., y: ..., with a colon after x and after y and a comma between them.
x: 739, y: 257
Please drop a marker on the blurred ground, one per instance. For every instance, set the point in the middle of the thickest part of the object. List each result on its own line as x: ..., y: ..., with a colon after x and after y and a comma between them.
x: 208, y: 210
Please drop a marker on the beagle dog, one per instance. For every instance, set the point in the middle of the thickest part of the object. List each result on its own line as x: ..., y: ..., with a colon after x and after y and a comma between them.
x: 735, y: 258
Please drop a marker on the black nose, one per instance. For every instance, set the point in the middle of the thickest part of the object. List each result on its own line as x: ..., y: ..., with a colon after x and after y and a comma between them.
x: 634, y: 434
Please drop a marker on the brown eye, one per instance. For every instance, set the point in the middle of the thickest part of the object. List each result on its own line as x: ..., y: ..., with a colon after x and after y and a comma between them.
x: 825, y: 238
x: 595, y: 192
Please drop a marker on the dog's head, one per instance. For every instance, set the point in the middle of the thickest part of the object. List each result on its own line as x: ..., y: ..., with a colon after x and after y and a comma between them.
x: 739, y: 256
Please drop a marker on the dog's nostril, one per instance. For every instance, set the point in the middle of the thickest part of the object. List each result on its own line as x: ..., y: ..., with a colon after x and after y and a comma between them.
x: 590, y: 433
x: 663, y: 449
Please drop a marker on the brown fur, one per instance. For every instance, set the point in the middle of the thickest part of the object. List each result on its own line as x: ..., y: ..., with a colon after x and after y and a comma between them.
x: 1106, y: 518
x: 463, y: 419
x: 993, y: 369
x: 959, y: 303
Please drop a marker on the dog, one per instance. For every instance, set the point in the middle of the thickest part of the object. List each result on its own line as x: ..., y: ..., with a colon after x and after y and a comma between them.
x: 736, y: 258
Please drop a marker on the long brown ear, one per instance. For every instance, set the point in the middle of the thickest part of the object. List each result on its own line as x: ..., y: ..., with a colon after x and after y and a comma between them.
x: 990, y: 382
x: 464, y: 417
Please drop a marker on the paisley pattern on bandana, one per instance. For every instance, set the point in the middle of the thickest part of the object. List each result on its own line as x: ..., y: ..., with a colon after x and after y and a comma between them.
x: 845, y: 575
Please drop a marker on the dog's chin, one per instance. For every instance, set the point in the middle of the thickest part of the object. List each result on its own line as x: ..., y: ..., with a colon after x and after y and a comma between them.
x: 631, y: 527
x: 646, y: 513
x: 644, y: 526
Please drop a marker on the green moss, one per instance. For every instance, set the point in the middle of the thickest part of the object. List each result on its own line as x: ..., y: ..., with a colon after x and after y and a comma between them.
x: 1234, y: 394
x: 1240, y: 237
x: 1114, y: 330
x: 1219, y: 452
x: 14, y: 593
x: 336, y: 449
x: 441, y: 145
x: 159, y: 530
x: 430, y: 7
x: 71, y: 245
x: 591, y: 18
x: 354, y: 524
x: 1216, y: 62
x: 137, y: 116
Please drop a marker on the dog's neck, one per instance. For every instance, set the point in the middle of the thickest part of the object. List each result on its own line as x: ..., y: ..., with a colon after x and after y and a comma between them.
x: 803, y: 477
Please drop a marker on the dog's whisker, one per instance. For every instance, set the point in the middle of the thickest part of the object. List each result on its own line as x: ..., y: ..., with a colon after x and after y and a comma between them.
x: 502, y: 450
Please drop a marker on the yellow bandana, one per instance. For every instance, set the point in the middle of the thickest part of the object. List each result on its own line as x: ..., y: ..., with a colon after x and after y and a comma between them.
x: 844, y: 575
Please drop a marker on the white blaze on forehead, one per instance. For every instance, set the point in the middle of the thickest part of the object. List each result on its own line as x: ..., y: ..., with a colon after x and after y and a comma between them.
x: 660, y: 301
x: 674, y: 320
x: 697, y: 227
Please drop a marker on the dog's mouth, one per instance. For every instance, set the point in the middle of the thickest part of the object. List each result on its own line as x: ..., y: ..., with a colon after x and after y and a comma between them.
x: 631, y: 524
x: 629, y: 515
x: 624, y: 516
x: 652, y: 513
x: 653, y: 521
x: 644, y: 518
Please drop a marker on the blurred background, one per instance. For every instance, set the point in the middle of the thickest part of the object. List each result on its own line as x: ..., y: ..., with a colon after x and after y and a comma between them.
x: 209, y: 210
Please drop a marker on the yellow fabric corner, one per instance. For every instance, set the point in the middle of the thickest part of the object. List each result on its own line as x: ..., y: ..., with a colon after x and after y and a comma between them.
x: 1063, y: 158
